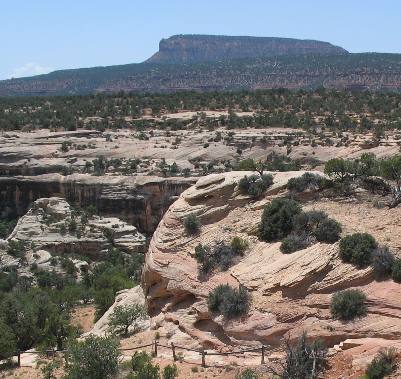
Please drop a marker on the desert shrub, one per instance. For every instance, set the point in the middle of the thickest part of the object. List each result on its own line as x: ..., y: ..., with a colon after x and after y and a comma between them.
x: 17, y: 248
x: 294, y: 242
x: 220, y: 255
x: 348, y: 304
x: 309, y: 227
x: 93, y: 358
x: 328, y: 231
x: 340, y: 170
x: 246, y: 165
x: 170, y: 372
x: 248, y: 373
x: 255, y: 185
x: 229, y: 301
x: 357, y: 249
x: 192, y: 224
x: 125, y: 316
x: 383, y: 364
x: 307, y: 181
x: 239, y: 245
x: 304, y: 359
x: 307, y: 222
x: 382, y: 262
x: 143, y: 368
x: 277, y: 162
x: 278, y: 219
x: 396, y: 271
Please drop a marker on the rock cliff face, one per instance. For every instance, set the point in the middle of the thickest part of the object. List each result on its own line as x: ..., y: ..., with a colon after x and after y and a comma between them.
x: 141, y: 200
x: 209, y: 48
x: 290, y: 293
x: 53, y: 228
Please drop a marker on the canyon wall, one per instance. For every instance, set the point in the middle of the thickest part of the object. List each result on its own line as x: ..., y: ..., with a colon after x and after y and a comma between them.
x: 141, y: 201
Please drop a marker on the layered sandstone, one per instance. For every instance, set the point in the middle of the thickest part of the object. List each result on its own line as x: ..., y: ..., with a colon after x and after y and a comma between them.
x: 290, y: 293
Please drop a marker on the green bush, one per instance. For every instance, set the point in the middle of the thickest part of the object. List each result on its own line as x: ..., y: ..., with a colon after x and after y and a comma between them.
x: 229, y: 301
x: 294, y: 242
x: 170, y: 372
x: 143, y: 368
x: 348, y: 304
x: 8, y: 343
x: 382, y: 262
x: 308, y: 181
x: 328, y: 231
x: 382, y: 365
x: 192, y: 224
x: 255, y: 185
x: 220, y: 255
x: 239, y: 245
x: 357, y: 249
x: 396, y: 271
x: 278, y: 219
x: 93, y: 358
x: 340, y: 170
x: 125, y: 316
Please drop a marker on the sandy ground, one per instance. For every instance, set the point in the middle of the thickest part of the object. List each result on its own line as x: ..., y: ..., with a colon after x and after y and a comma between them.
x: 83, y: 317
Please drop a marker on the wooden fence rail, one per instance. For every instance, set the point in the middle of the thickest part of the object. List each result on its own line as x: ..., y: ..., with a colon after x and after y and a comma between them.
x: 155, y: 346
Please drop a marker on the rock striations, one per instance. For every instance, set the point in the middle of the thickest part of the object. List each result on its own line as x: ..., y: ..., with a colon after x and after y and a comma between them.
x: 290, y: 293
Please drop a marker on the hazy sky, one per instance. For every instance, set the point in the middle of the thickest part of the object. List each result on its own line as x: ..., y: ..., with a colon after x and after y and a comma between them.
x: 38, y: 36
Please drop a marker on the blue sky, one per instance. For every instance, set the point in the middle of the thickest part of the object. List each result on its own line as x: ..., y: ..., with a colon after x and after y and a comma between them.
x: 39, y: 36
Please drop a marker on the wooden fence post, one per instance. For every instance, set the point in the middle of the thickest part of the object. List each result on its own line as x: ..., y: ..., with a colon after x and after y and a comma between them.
x: 155, y: 352
x: 19, y: 358
x: 203, y: 358
x: 173, y: 348
x: 263, y: 355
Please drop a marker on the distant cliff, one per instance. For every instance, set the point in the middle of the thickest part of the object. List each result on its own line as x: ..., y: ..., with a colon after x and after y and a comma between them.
x: 207, y: 48
x: 216, y: 63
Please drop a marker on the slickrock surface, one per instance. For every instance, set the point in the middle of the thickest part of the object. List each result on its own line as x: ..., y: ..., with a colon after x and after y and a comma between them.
x: 290, y: 293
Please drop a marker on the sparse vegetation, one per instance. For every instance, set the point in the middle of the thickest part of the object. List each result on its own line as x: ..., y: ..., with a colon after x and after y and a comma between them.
x: 304, y: 360
x: 358, y: 249
x: 278, y: 219
x: 383, y: 364
x: 294, y: 242
x: 125, y: 316
x: 93, y: 358
x: 192, y: 224
x: 348, y: 304
x: 220, y: 255
x: 308, y: 181
x: 143, y: 368
x: 255, y: 185
x: 229, y: 301
x: 382, y: 262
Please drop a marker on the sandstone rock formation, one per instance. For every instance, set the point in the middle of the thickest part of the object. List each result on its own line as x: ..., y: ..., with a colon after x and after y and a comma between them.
x: 290, y: 293
x: 53, y: 228
x: 125, y: 297
x: 140, y: 200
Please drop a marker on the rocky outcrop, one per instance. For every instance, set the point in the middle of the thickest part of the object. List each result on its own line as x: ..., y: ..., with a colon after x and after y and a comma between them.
x: 210, y: 48
x: 125, y: 297
x: 139, y: 200
x: 53, y: 228
x: 290, y: 293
